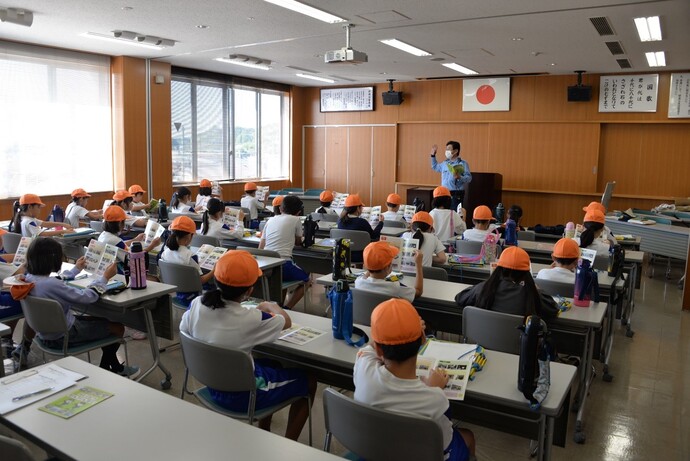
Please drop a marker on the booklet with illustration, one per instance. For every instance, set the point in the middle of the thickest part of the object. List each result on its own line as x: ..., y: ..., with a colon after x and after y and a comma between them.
x: 262, y: 193
x: 404, y: 261
x: 456, y: 169
x: 299, y: 335
x: 209, y: 255
x: 78, y: 401
x: 153, y: 230
x: 408, y: 212
x: 99, y: 256
x: 338, y: 200
x: 455, y: 358
x: 20, y: 252
x: 231, y: 217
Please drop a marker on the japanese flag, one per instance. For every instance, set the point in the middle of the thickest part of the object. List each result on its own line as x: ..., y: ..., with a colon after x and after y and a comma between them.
x: 490, y: 94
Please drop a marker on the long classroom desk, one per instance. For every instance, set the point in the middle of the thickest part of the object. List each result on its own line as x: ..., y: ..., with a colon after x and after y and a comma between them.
x: 138, y: 422
x: 659, y: 239
x: 495, y: 386
x: 312, y: 260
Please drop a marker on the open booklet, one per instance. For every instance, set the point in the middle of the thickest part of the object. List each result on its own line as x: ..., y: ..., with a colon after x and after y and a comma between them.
x: 99, y: 256
x: 78, y: 401
x: 371, y: 214
x: 262, y: 193
x: 455, y: 358
x: 408, y: 212
x: 20, y: 253
x: 231, y: 217
x: 339, y: 200
x: 209, y: 255
x: 27, y: 387
x: 153, y: 230
x: 404, y: 261
x: 589, y: 255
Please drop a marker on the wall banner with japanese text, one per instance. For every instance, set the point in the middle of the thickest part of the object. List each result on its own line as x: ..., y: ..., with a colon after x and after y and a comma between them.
x: 628, y: 93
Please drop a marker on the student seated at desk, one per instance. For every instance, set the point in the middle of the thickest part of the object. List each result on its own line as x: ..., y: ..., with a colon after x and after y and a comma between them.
x: 44, y: 256
x: 182, y: 202
x: 218, y: 318
x: 123, y: 199
x: 325, y: 199
x: 212, y: 222
x: 432, y: 249
x: 565, y: 255
x: 350, y: 220
x: 385, y: 375
x: 138, y: 205
x: 76, y: 210
x: 447, y: 222
x: 277, y: 201
x: 607, y: 234
x: 281, y: 234
x: 253, y: 204
x: 481, y: 218
x: 9, y: 307
x: 393, y: 203
x: 590, y: 238
x: 510, y: 289
x: 204, y: 195
x: 378, y: 261
x: 113, y: 224
x: 25, y: 219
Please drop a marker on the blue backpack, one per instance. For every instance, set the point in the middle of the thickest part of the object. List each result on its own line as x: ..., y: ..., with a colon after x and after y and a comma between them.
x: 340, y: 297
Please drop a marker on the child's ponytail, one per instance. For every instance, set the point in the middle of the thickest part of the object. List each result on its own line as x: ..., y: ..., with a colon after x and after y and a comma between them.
x: 16, y: 224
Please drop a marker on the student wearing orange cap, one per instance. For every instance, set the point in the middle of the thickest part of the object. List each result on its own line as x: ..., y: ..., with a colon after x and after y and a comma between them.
x: 481, y: 217
x: 565, y: 255
x: 510, y: 289
x: 218, y: 318
x: 124, y: 200
x: 378, y: 261
x: 385, y: 375
x: 76, y: 210
x: 432, y: 249
x: 590, y: 238
x: 114, y: 218
x: 455, y: 172
x: 212, y: 222
x: 25, y: 218
x: 393, y: 202
x: 607, y: 234
x: 326, y: 198
x: 205, y: 189
x: 137, y: 192
x: 350, y: 220
x: 182, y: 201
x: 253, y: 204
x: 9, y: 307
x: 447, y: 222
x: 277, y: 201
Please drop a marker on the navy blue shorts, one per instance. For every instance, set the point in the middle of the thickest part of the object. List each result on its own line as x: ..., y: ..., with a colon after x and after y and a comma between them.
x: 457, y: 450
x: 292, y: 272
x: 8, y: 306
x: 84, y: 329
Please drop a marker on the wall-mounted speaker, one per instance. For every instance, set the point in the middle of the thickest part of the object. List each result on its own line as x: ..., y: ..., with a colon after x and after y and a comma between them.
x: 579, y: 93
x: 392, y: 98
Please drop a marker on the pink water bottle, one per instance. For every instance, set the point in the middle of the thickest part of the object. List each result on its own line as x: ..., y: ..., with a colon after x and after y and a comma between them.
x: 583, y: 284
x: 569, y: 230
x: 137, y: 267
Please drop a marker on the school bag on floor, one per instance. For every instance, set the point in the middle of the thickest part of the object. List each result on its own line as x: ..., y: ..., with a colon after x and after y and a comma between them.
x: 536, y: 353
x: 340, y: 297
x: 310, y: 227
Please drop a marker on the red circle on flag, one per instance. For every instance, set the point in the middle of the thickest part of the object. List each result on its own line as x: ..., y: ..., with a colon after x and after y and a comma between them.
x: 486, y: 94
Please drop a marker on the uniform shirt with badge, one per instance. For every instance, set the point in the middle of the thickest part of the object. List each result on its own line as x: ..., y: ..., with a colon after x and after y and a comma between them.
x: 393, y: 289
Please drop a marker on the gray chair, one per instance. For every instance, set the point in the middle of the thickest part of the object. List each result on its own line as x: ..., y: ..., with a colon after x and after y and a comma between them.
x: 391, y: 223
x: 226, y: 370
x: 601, y: 263
x: 264, y: 281
x: 14, y: 450
x: 330, y: 217
x: 198, y: 240
x: 528, y: 235
x: 73, y: 251
x: 435, y: 273
x: 96, y: 225
x: 313, y: 192
x: 10, y: 242
x: 553, y: 287
x: 375, y: 434
x: 246, y: 212
x: 468, y: 247
x: 358, y: 239
x: 185, y: 278
x: 363, y: 303
x: 317, y: 216
x: 492, y: 330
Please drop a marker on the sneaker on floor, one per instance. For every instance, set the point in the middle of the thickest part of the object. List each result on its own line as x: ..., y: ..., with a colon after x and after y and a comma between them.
x: 129, y: 372
x: 135, y: 334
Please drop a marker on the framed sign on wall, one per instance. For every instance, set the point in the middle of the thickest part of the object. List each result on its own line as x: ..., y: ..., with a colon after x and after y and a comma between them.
x: 347, y: 99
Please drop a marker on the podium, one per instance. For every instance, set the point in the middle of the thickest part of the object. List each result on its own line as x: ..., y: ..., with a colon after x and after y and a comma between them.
x: 485, y: 189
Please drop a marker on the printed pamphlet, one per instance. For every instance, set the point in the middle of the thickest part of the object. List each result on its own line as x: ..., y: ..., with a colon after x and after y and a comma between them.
x: 153, y: 230
x: 455, y: 358
x: 99, y: 256
x: 300, y: 335
x: 338, y: 200
x: 20, y: 253
x: 231, y: 217
x: 262, y: 193
x: 589, y: 255
x: 209, y: 255
x: 404, y: 261
x: 408, y: 212
x: 78, y: 401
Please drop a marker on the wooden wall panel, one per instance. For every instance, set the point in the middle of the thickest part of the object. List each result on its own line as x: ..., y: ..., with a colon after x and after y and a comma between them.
x: 336, y: 159
x: 359, y: 162
x: 298, y: 102
x: 383, y: 168
x: 161, y: 141
x: 423, y: 102
x: 619, y: 158
x: 315, y: 157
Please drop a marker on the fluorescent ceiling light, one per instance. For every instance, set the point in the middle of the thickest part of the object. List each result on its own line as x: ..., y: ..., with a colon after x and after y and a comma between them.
x: 395, y: 43
x: 649, y: 29
x: 307, y: 10
x: 125, y: 41
x: 314, y: 77
x: 656, y: 59
x: 246, y: 61
x: 459, y: 68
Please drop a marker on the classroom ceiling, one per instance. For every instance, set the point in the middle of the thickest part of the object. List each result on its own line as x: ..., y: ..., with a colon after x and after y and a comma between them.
x: 492, y: 37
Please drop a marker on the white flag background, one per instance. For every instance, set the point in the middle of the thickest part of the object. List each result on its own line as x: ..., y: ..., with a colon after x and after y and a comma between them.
x: 490, y: 94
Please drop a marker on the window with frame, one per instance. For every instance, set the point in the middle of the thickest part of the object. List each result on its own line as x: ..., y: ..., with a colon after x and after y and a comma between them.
x: 222, y: 131
x: 55, y: 121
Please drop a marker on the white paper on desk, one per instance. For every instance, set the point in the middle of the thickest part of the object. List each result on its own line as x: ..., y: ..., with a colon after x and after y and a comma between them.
x: 52, y: 376
x: 454, y: 358
x: 300, y: 335
x: 446, y: 350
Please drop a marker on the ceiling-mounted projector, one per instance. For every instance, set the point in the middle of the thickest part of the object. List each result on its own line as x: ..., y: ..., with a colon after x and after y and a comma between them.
x: 346, y: 54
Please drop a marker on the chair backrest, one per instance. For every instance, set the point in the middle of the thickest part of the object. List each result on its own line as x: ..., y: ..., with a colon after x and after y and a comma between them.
x: 601, y: 263
x: 14, y: 450
x: 293, y: 189
x: 313, y: 192
x: 358, y: 239
x: 198, y: 240
x: 658, y: 219
x: 554, y: 287
x: 375, y: 434
x: 246, y: 212
x: 262, y: 225
x: 185, y: 278
x: 10, y: 242
x: 363, y: 303
x: 435, y: 273
x: 96, y: 225
x: 528, y: 235
x: 493, y: 330
x: 468, y: 247
x: 391, y: 223
x: 223, y: 369
x: 317, y: 216
x: 330, y: 217
x: 44, y: 315
x: 259, y: 252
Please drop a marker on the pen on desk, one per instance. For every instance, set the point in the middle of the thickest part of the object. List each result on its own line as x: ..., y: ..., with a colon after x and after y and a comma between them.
x: 31, y: 394
x: 20, y: 377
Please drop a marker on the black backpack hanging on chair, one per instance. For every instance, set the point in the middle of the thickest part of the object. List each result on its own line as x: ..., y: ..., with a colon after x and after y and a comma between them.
x: 536, y: 353
x: 310, y: 227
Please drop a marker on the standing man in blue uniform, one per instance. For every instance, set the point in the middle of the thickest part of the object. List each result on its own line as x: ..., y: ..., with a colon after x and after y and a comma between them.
x: 455, y: 172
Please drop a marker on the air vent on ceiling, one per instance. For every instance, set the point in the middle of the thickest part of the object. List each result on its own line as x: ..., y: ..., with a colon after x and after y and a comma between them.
x: 602, y: 25
x: 615, y: 48
x: 624, y: 63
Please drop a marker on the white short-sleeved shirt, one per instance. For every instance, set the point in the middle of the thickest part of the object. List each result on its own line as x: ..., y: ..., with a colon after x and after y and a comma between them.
x: 202, y: 200
x: 74, y: 213
x: 182, y: 255
x: 140, y: 212
x: 219, y: 230
x: 392, y: 216
x: 601, y: 246
x: 442, y: 223
x: 557, y: 274
x: 112, y: 239
x: 183, y: 208
x: 431, y: 246
x: 378, y: 387
x: 30, y: 227
x: 231, y: 326
x: 384, y: 287
x: 280, y: 233
x: 475, y: 235
x: 326, y: 210
x: 253, y: 204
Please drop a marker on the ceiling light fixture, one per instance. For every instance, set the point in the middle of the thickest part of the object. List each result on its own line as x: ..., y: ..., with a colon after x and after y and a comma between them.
x: 202, y: 26
x: 517, y: 39
x: 307, y: 10
x: 314, y: 77
x: 124, y: 38
x: 406, y: 47
x: 18, y: 16
x: 246, y: 61
x: 649, y: 29
x: 459, y: 68
x: 656, y: 58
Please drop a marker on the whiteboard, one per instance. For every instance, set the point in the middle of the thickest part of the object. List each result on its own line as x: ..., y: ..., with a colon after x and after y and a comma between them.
x: 679, y: 99
x: 628, y: 93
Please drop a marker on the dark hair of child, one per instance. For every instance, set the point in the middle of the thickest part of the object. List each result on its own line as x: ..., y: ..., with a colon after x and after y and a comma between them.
x: 173, y: 242
x: 113, y: 227
x: 180, y: 193
x: 214, y: 298
x: 391, y: 205
x: 401, y: 352
x: 124, y: 204
x: 348, y: 210
x: 487, y: 295
x: 43, y: 256
x: 587, y: 236
x: 515, y: 213
x: 18, y: 211
x: 213, y: 206
x: 483, y: 222
x: 444, y: 202
x: 565, y: 261
x: 419, y: 228
x: 292, y: 205
x: 325, y: 204
x: 205, y: 191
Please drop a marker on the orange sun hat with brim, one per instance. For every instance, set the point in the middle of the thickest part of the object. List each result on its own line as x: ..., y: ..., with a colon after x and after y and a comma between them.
x: 114, y: 213
x: 237, y: 268
x: 326, y: 196
x: 395, y: 199
x: 566, y: 248
x: 395, y: 322
x: 136, y: 189
x: 441, y: 191
x: 423, y: 216
x: 595, y: 216
x: 353, y: 200
x: 378, y: 255
x: 184, y: 224
x: 514, y: 258
x: 594, y: 206
x: 250, y: 186
x: 30, y: 199
x: 277, y: 201
x: 121, y: 195
x: 205, y: 183
x: 80, y: 193
x: 482, y: 213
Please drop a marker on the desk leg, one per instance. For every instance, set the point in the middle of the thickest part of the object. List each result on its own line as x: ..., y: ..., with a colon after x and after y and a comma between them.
x: 153, y: 342
x: 607, y: 341
x: 579, y: 436
x: 548, y: 442
x: 541, y: 441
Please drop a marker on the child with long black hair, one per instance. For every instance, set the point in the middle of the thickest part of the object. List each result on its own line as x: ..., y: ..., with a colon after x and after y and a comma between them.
x: 447, y: 222
x: 26, y: 222
x: 590, y: 237
x: 182, y: 201
x: 212, y: 222
x: 350, y: 220
x: 432, y: 249
x: 204, y: 195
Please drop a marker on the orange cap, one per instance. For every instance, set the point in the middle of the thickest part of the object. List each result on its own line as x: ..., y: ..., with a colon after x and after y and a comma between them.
x: 277, y: 201
x: 205, y: 183
x: 184, y: 224
x: 237, y: 268
x: 114, y: 213
x: 595, y: 206
x: 121, y: 195
x: 80, y: 193
x: 595, y: 216
x: 250, y: 186
x: 566, y: 248
x: 395, y: 321
x: 30, y: 199
x: 423, y: 216
x: 326, y: 196
x: 2, y: 231
x: 514, y: 258
x: 353, y: 200
x: 378, y: 255
x: 482, y: 213
x: 136, y: 189
x: 395, y: 199
x: 441, y: 191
